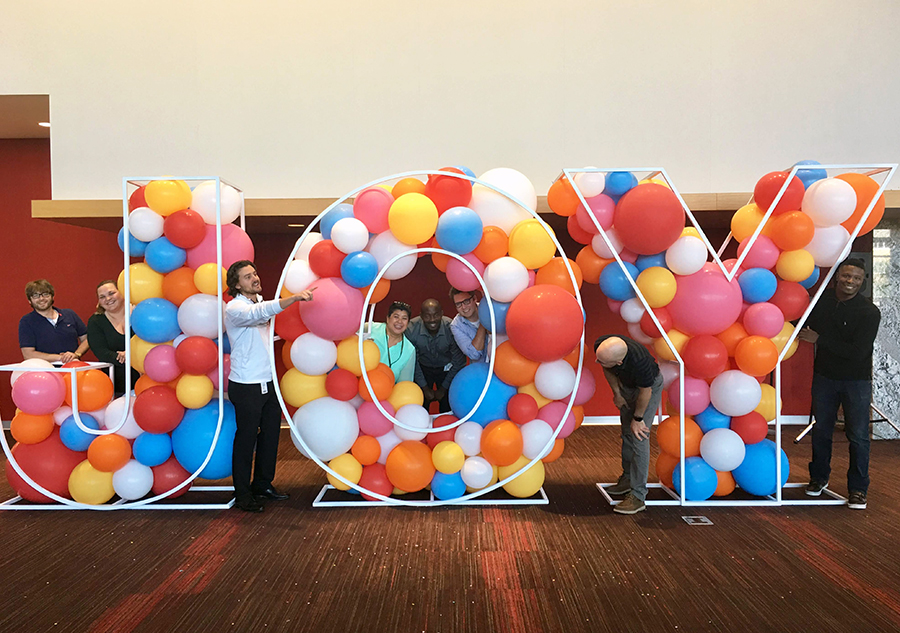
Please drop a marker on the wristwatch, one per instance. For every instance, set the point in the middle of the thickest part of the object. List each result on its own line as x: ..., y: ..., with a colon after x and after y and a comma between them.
x: 638, y: 418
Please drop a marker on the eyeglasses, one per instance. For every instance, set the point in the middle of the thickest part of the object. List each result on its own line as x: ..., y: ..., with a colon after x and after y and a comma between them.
x: 42, y: 295
x: 464, y: 302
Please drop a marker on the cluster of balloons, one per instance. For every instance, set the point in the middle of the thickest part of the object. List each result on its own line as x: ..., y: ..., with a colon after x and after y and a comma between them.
x: 728, y: 332
x: 538, y: 329
x: 169, y: 427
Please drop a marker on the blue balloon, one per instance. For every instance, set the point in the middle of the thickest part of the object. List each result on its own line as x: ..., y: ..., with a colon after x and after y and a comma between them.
x: 152, y: 449
x: 811, y: 281
x: 618, y: 183
x: 757, y: 285
x: 809, y: 176
x: 701, y: 479
x: 614, y: 284
x: 467, y: 386
x: 163, y: 256
x: 649, y: 261
x: 331, y: 218
x: 359, y: 269
x: 756, y: 474
x: 448, y: 486
x: 468, y: 172
x: 136, y: 247
x: 459, y: 230
x: 73, y: 437
x: 192, y: 438
x: 226, y: 348
x: 500, y: 310
x: 711, y: 418
x: 155, y: 320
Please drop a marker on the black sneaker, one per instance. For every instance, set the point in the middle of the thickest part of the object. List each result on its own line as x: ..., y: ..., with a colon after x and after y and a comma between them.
x: 248, y: 504
x: 815, y: 487
x: 857, y: 501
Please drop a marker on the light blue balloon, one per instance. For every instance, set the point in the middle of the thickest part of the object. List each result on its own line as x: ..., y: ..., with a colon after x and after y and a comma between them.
x: 757, y: 285
x: 810, y: 281
x: 152, y: 449
x: 341, y: 211
x: 467, y: 386
x: 136, y: 247
x: 155, y: 320
x: 756, y: 474
x: 163, y: 256
x: 468, y: 172
x: 618, y: 183
x: 192, y: 438
x: 649, y: 261
x: 359, y: 269
x: 448, y: 486
x: 809, y: 176
x: 711, y: 418
x: 500, y: 310
x: 614, y: 284
x: 701, y: 479
x: 459, y: 230
x: 73, y: 437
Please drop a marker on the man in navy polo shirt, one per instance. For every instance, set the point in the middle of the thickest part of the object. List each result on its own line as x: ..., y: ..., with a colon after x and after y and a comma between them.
x: 48, y: 333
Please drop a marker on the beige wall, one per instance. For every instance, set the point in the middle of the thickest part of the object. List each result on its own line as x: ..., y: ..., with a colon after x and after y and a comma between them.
x: 298, y: 99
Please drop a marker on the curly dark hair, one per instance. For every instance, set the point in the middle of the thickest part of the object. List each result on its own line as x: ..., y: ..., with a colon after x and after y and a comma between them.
x: 232, y: 276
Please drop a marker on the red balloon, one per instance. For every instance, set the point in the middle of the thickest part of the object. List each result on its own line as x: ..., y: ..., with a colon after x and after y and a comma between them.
x: 137, y: 199
x: 751, y: 427
x: 341, y: 384
x: 185, y: 228
x: 196, y: 355
x: 168, y: 475
x: 325, y: 259
x: 157, y: 409
x: 288, y: 323
x: 374, y: 478
x: 791, y: 298
x: 767, y: 188
x: 433, y: 439
x: 522, y: 408
x: 544, y: 323
x: 649, y: 328
x: 48, y: 463
x: 649, y: 218
x: 705, y: 356
x: 448, y: 191
x: 576, y: 232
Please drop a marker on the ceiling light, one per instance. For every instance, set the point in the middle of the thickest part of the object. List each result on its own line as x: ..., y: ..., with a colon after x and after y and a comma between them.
x: 296, y: 226
x: 44, y: 124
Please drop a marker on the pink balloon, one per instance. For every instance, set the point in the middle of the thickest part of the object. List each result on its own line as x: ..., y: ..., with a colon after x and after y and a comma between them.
x: 552, y: 414
x: 705, y: 302
x: 460, y: 277
x: 763, y: 319
x: 628, y: 256
x: 236, y: 245
x: 371, y: 207
x: 160, y: 365
x: 601, y: 207
x: 763, y: 253
x: 614, y: 306
x: 532, y: 277
x: 39, y: 392
x: 729, y: 265
x: 334, y: 312
x: 587, y: 385
x: 372, y: 422
x: 696, y: 395
x: 214, y: 374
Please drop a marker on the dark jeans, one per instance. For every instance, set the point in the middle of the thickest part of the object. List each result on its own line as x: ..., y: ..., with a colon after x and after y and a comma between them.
x: 434, y: 377
x: 258, y: 427
x: 855, y: 396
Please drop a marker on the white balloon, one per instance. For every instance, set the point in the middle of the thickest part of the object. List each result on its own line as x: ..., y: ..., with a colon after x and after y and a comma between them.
x: 496, y: 209
x: 197, y: 316
x: 723, y: 449
x: 598, y: 244
x: 133, y: 480
x: 555, y: 380
x: 145, y: 224
x: 468, y: 436
x: 670, y: 371
x: 203, y: 201
x: 356, y: 401
x: 60, y: 415
x: 299, y: 276
x: 827, y: 244
x: 177, y: 341
x: 590, y: 184
x: 328, y: 426
x: 536, y: 439
x: 99, y: 415
x: 31, y: 362
x: 512, y: 182
x: 477, y: 472
x: 829, y: 201
x: 387, y: 442
x: 114, y: 410
x: 312, y: 355
x: 632, y: 310
x: 687, y: 255
x: 299, y: 446
x: 735, y: 393
x: 384, y: 247
x: 306, y: 245
x: 505, y: 278
x: 635, y: 332
x: 349, y: 235
x: 415, y: 416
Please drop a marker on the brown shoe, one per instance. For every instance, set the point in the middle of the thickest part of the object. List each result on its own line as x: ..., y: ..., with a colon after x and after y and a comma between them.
x: 630, y: 505
x: 621, y: 487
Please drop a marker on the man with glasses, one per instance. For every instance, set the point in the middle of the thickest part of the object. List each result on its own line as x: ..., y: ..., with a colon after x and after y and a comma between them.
x: 49, y: 333
x: 471, y: 336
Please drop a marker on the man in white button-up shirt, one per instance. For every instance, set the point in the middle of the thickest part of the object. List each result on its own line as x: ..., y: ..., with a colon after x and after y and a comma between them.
x: 250, y: 385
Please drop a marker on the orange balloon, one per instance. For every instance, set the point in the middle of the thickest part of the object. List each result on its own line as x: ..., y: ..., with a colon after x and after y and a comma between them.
x: 572, y: 357
x: 409, y: 466
x: 756, y: 356
x: 731, y: 336
x: 408, y: 185
x: 31, y: 429
x: 501, y: 443
x: 665, y: 466
x: 178, y: 285
x: 145, y: 382
x: 726, y: 484
x: 382, y: 288
x: 95, y: 389
x: 513, y: 368
x: 591, y: 264
x: 865, y: 188
x: 366, y: 450
x: 440, y: 261
x: 554, y: 273
x: 668, y: 436
x: 558, y: 446
x: 494, y: 244
x: 562, y: 199
x: 382, y: 384
x: 578, y: 412
x: 286, y: 354
x: 791, y: 231
x: 108, y: 453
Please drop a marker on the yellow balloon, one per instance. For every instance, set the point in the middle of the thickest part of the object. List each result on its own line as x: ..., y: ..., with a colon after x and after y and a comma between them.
x: 532, y: 391
x: 528, y: 482
x: 795, y: 265
x: 678, y: 338
x: 299, y: 388
x: 406, y: 392
x: 658, y: 286
x: 745, y: 220
x: 448, y: 457
x: 657, y: 181
x: 766, y: 407
x: 782, y: 337
x: 346, y: 466
x: 205, y: 279
x: 413, y: 218
x: 89, y: 485
x: 348, y: 355
x: 145, y: 283
x: 194, y: 392
x: 690, y: 230
x: 531, y: 244
x: 494, y: 479
x: 167, y: 196
x: 139, y: 349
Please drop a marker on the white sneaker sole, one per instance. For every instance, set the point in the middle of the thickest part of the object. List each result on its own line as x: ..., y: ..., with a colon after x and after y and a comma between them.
x: 816, y: 494
x: 617, y: 511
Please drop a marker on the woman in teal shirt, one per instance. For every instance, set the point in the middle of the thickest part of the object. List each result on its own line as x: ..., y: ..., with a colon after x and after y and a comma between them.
x: 396, y: 351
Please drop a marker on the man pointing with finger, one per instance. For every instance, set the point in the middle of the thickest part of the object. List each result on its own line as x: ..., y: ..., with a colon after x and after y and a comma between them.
x: 637, y: 384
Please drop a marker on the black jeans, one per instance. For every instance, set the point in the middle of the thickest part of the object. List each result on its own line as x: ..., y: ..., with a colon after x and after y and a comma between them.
x: 258, y: 417
x: 434, y: 377
x: 855, y: 396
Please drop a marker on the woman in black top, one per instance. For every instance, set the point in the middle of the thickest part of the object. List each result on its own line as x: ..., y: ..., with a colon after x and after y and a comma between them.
x: 106, y: 332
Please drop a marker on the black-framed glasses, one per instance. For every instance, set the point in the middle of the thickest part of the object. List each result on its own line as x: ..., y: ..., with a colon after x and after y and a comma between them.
x: 464, y: 302
x: 41, y: 295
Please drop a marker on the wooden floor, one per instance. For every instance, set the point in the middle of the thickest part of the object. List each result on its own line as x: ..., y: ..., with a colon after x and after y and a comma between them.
x: 569, y: 566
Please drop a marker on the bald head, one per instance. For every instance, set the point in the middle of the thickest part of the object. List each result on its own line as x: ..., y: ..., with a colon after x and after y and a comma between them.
x: 611, y: 351
x: 431, y: 315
